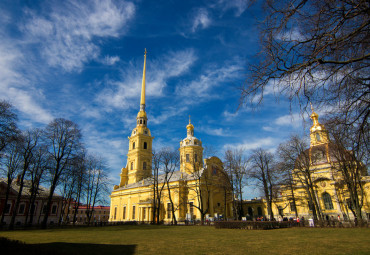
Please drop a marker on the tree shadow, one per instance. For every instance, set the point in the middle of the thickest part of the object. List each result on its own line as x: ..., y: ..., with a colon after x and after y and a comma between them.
x: 58, y: 248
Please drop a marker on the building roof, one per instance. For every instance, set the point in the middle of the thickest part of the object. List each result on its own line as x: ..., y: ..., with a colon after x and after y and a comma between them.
x: 176, y: 176
x: 101, y: 207
x: 26, y: 191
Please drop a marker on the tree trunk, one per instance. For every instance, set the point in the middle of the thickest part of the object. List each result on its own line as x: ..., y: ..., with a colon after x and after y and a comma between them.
x: 6, y: 201
x: 14, y: 215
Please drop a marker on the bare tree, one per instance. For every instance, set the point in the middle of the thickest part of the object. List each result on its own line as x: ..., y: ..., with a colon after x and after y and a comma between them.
x: 72, y: 184
x: 79, y: 172
x: 63, y: 137
x: 349, y: 158
x: 36, y: 174
x: 170, y: 161
x: 295, y: 150
x: 11, y: 166
x: 315, y: 51
x: 202, y: 189
x: 28, y: 142
x: 96, y: 183
x: 8, y: 126
x: 158, y: 186
x: 236, y: 168
x: 286, y: 182
x: 263, y: 169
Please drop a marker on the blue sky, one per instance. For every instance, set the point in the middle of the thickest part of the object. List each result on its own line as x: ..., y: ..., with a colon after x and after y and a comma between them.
x: 82, y: 60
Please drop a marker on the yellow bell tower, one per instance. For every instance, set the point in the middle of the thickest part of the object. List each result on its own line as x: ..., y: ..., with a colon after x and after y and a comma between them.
x: 139, y: 156
x: 191, y: 152
x: 318, y: 133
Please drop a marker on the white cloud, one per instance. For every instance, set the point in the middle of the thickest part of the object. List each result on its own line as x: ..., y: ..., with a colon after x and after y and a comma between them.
x: 239, y: 6
x: 167, y: 113
x: 215, y: 131
x: 110, y: 60
x: 231, y: 115
x: 200, y: 19
x: 18, y: 89
x: 67, y: 33
x: 294, y: 120
x: 108, y: 145
x: 267, y: 142
x: 200, y: 87
x: 120, y: 94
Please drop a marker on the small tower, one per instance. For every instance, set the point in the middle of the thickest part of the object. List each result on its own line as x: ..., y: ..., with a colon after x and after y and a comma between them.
x: 139, y: 156
x: 191, y: 152
x: 318, y: 133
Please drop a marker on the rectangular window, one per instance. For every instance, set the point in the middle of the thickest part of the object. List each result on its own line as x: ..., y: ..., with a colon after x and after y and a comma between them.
x: 144, y: 213
x: 21, y: 208
x: 115, y: 213
x: 54, y: 209
x: 124, y: 212
x: 133, y: 212
x: 7, y: 208
x: 187, y: 158
x: 196, y: 158
x: 44, y: 209
x: 169, y: 210
x: 33, y: 207
x: 191, y: 208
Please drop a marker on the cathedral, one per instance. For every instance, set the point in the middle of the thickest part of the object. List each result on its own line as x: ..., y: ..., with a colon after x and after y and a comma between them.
x: 198, y: 190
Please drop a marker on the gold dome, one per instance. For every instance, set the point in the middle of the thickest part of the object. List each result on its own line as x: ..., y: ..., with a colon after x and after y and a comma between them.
x: 190, y: 126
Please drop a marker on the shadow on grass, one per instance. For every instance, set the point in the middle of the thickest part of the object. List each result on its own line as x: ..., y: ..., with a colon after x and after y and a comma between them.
x: 15, y: 247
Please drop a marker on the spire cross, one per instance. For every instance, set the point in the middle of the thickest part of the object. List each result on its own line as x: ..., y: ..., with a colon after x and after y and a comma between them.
x: 145, y: 52
x: 189, y: 120
x: 311, y: 107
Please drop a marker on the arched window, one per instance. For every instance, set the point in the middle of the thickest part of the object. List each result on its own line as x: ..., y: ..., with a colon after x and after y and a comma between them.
x: 318, y: 138
x: 141, y: 121
x: 132, y: 165
x: 144, y: 165
x: 196, y: 158
x: 145, y: 145
x: 133, y: 145
x: 144, y: 122
x: 327, y: 201
x: 250, y: 211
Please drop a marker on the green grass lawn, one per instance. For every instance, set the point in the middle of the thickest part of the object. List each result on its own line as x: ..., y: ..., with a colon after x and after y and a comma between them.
x: 194, y: 240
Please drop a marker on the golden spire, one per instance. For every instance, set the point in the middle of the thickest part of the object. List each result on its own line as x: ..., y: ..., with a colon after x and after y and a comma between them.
x: 314, y: 116
x: 142, y: 100
x: 190, y: 126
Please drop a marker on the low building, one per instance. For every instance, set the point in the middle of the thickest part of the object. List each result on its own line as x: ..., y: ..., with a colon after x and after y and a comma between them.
x: 32, y: 214
x: 100, y: 213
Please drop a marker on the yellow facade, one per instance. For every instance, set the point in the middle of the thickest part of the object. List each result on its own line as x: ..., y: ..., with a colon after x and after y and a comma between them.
x: 332, y: 196
x: 196, y: 187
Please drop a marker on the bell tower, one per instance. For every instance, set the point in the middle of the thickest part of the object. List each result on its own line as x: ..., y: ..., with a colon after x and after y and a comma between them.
x: 191, y: 152
x: 139, y: 156
x: 318, y: 133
